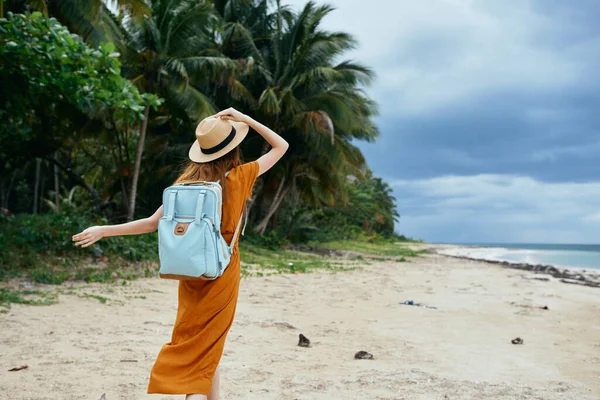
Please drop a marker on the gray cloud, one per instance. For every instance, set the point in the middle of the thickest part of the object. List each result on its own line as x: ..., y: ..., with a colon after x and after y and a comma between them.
x: 502, y: 134
x: 501, y: 88
x: 499, y: 208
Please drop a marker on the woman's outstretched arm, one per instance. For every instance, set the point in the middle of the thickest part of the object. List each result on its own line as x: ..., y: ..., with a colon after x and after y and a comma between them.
x: 278, y: 144
x: 94, y: 233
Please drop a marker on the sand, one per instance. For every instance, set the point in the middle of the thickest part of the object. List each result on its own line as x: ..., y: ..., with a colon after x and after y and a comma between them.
x: 80, y: 348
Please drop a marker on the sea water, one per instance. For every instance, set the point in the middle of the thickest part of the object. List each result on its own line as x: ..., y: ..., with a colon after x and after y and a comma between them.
x: 560, y: 255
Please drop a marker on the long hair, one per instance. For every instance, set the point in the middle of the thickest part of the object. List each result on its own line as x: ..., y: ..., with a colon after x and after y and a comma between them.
x: 211, y: 171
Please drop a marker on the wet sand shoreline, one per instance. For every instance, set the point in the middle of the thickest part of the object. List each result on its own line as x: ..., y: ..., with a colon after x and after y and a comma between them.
x: 571, y: 275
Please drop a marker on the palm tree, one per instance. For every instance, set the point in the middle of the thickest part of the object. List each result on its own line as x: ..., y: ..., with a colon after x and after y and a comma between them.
x: 174, y: 54
x: 294, y: 83
x: 93, y: 20
x: 263, y: 58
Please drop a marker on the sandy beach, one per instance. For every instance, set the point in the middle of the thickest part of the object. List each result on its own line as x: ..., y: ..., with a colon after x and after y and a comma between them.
x: 80, y: 348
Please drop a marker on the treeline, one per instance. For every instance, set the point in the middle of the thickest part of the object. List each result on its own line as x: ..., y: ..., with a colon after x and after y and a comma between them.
x: 98, y: 107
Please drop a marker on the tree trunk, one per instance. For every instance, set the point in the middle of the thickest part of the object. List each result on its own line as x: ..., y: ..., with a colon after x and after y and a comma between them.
x: 274, y: 220
x: 138, y: 162
x: 278, y: 65
x: 56, y: 189
x: 36, y: 185
x: 6, y: 190
x: 260, y: 228
x: 124, y: 198
x: 42, y: 189
x: 277, y: 200
x: 79, y: 181
x: 3, y: 194
x: 121, y: 161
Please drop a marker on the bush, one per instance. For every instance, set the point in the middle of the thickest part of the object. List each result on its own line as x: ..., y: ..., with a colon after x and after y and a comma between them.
x: 37, y: 234
x: 40, y: 247
x: 271, y: 240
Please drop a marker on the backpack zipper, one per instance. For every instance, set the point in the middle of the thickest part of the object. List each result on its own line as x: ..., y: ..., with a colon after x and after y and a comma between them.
x: 214, y: 228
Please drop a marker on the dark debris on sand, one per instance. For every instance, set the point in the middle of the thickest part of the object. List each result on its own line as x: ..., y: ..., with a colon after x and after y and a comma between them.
x: 303, y: 341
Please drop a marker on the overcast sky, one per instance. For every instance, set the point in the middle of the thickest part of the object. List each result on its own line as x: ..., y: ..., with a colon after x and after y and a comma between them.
x: 489, y: 114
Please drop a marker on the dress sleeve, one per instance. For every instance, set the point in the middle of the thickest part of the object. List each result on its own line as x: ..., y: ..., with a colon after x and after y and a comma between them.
x: 246, y: 175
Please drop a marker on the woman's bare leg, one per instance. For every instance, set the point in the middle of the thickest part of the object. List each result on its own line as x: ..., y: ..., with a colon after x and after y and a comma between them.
x: 195, y: 397
x: 214, y: 393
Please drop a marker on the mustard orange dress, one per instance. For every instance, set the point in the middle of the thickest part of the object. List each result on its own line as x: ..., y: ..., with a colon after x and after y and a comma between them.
x: 205, y: 309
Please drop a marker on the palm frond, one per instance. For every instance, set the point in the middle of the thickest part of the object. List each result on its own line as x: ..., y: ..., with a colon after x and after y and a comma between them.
x: 175, y: 72
x: 268, y: 102
x: 238, y: 40
x: 190, y: 19
x: 241, y: 93
x: 211, y: 67
x: 316, y: 122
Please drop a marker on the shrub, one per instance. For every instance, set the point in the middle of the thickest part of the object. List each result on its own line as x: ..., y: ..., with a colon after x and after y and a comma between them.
x: 40, y: 247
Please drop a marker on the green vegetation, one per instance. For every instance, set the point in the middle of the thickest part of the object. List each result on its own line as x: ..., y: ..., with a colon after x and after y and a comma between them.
x: 366, y: 207
x: 260, y: 261
x: 101, y: 299
x: 32, y: 297
x: 98, y: 110
x: 86, y: 96
x: 56, y: 92
x: 39, y: 248
x: 387, y: 248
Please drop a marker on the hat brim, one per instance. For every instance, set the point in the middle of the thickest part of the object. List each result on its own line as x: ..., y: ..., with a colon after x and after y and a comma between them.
x: 196, y: 154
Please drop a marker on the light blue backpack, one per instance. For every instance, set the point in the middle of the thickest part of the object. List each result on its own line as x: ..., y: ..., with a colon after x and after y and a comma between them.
x: 190, y: 244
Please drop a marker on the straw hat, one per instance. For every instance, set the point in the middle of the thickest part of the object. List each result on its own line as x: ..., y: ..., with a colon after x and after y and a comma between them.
x: 216, y: 137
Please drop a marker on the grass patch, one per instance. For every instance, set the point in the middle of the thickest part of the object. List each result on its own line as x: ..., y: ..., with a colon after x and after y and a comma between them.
x: 88, y: 269
x: 52, y: 277
x: 95, y: 275
x: 101, y: 299
x: 32, y: 297
x: 265, y: 261
x: 379, y: 248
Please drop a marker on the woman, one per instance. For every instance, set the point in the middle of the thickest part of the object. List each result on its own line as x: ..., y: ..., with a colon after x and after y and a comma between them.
x: 188, y: 363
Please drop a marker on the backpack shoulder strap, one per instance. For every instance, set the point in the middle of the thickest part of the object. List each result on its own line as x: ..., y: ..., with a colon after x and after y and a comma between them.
x: 237, y: 232
x: 226, y: 173
x: 239, y: 225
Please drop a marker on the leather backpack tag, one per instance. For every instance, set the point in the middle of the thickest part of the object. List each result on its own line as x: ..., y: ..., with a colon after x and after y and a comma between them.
x: 181, y: 228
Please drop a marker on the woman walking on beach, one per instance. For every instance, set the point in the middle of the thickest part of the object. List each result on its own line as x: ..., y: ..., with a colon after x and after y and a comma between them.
x: 188, y: 364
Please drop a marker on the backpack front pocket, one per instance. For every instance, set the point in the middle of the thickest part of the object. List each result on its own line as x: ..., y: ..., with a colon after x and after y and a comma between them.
x: 185, y: 248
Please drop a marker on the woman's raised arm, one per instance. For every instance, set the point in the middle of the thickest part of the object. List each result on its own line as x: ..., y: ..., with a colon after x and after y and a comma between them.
x: 94, y: 233
x: 278, y: 144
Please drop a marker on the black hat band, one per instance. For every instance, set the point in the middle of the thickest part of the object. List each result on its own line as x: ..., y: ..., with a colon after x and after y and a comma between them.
x: 222, y: 145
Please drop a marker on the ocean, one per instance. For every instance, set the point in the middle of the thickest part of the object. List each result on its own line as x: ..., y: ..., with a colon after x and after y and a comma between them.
x: 560, y: 255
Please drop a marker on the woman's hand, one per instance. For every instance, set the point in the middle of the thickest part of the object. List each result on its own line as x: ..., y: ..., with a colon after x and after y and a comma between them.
x: 232, y: 114
x: 279, y: 145
x: 88, y: 237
